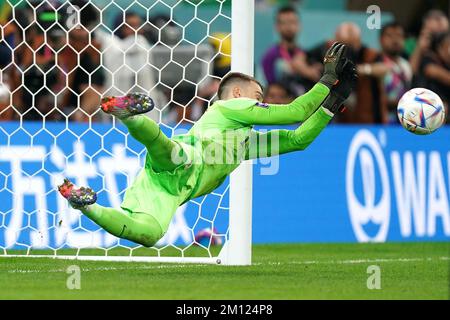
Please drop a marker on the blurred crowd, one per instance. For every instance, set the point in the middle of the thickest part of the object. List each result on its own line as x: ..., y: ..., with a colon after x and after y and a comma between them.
x: 383, y: 76
x: 59, y: 71
x: 55, y: 65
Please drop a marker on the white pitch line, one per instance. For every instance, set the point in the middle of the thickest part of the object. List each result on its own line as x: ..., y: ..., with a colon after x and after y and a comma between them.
x: 358, y: 261
x: 175, y: 266
x: 168, y: 266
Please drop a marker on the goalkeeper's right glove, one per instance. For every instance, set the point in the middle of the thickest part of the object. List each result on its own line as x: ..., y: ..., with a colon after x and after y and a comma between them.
x: 340, y: 92
x: 333, y: 63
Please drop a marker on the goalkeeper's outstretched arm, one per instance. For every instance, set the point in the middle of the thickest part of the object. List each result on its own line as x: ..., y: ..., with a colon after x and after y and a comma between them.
x: 277, y: 142
x: 302, y: 107
x: 271, y: 114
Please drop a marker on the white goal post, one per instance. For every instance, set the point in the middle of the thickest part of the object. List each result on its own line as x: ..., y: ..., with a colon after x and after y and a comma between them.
x: 238, y: 249
x: 33, y: 230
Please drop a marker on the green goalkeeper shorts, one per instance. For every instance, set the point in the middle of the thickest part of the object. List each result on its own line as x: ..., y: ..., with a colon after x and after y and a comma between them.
x: 159, y: 194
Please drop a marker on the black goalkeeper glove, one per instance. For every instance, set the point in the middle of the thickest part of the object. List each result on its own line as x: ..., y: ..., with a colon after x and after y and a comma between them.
x: 343, y: 89
x: 333, y: 63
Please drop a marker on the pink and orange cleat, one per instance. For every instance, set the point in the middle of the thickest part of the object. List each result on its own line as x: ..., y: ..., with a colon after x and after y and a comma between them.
x: 127, y: 106
x: 77, y: 197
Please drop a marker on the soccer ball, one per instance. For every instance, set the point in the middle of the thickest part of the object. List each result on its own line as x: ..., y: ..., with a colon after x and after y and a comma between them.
x: 421, y: 111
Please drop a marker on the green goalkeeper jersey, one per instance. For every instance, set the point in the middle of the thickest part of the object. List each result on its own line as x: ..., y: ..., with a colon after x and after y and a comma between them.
x: 218, y: 143
x: 225, y: 134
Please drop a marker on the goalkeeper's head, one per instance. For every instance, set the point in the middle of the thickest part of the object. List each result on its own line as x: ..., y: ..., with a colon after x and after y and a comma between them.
x: 239, y: 85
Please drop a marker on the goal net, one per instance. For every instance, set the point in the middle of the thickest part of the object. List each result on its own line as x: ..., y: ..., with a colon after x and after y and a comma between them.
x: 58, y: 58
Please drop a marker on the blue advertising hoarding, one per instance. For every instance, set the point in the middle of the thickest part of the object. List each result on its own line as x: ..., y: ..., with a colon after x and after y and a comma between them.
x: 360, y: 184
x: 353, y: 184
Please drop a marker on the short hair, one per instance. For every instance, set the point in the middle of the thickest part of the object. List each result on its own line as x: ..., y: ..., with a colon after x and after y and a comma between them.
x: 433, y: 14
x: 393, y: 24
x: 286, y: 9
x: 234, y: 78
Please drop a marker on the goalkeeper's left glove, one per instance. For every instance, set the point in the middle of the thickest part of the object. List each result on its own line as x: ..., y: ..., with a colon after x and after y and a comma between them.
x: 342, y: 90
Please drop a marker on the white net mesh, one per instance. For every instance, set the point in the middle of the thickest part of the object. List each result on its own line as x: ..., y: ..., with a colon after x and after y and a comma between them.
x: 58, y: 59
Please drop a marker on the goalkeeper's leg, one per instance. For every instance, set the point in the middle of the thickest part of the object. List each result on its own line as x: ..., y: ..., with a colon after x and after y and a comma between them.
x: 140, y: 228
x: 137, y: 227
x: 165, y: 154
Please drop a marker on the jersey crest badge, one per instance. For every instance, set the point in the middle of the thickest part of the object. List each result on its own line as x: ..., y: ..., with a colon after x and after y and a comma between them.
x: 262, y: 105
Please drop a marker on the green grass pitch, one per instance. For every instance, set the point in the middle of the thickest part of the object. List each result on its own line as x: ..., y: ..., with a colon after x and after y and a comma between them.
x: 289, y: 271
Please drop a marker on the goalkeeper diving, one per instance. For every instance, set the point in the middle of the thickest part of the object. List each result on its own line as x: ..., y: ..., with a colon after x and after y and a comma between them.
x: 180, y: 168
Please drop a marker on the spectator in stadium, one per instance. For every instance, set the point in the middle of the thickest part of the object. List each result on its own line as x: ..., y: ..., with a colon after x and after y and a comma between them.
x: 128, y: 27
x: 32, y: 78
x: 27, y: 58
x: 6, y: 42
x: 434, y: 22
x: 6, y: 113
x: 128, y: 44
x: 117, y: 62
x: 86, y: 77
x: 286, y: 62
x: 162, y: 30
x: 276, y: 93
x: 126, y: 59
x: 434, y: 68
x: 9, y: 72
x: 399, y: 75
x: 207, y: 88
x: 368, y: 103
x: 221, y: 43
x: 82, y: 61
x: 41, y: 79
